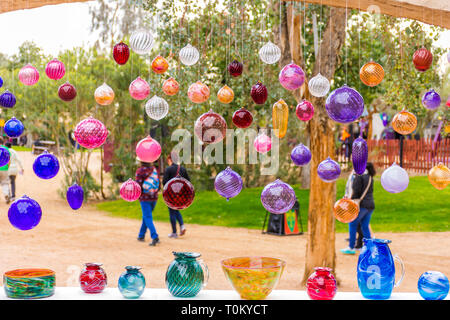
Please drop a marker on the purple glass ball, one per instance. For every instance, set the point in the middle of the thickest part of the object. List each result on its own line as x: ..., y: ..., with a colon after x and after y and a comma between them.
x: 291, y: 76
x: 5, y: 156
x: 7, y: 99
x: 431, y: 100
x: 75, y: 196
x: 394, y: 179
x: 46, y: 165
x: 360, y: 154
x: 300, y: 155
x: 25, y: 213
x: 328, y: 170
x: 228, y: 183
x: 344, y: 105
x: 278, y: 197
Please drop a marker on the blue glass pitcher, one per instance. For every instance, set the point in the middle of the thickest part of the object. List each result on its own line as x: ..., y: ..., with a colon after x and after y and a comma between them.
x: 376, y: 270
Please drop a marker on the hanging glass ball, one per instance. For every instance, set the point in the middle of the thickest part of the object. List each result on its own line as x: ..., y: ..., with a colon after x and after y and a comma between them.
x: 13, y: 128
x: 280, y: 117
x: 262, y: 143
x: 189, y: 55
x: 404, y: 122
x: 46, y: 165
x: 104, y: 95
x: 198, y: 92
x: 439, y: 176
x: 371, y: 74
x: 67, y: 92
x: 422, y: 59
x: 431, y: 100
x: 394, y: 179
x: 259, y: 93
x: 171, y: 87
x: 235, y: 68
x: 225, y: 94
x: 328, y: 170
x: 345, y: 210
x: 141, y: 41
x: 269, y: 53
x: 139, y: 89
x: 156, y: 108
x: 7, y: 99
x: 433, y: 285
x: 160, y: 65
x: 121, y: 53
x: 1, y: 82
x: 448, y: 58
x: 360, y: 154
x: 90, y: 133
x: 278, y: 197
x: 228, y: 183
x: 29, y: 75
x: 5, y: 156
x: 344, y: 105
x: 55, y: 69
x: 242, y: 118
x: 319, y: 86
x: 300, y: 155
x: 24, y: 213
x: 210, y: 127
x: 304, y: 110
x: 130, y: 190
x: 148, y: 150
x: 291, y: 76
x: 178, y: 193
x: 75, y: 196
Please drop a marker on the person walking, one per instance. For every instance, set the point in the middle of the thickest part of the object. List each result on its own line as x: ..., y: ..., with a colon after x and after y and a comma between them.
x: 4, y: 177
x: 362, y: 189
x: 348, y: 194
x: 15, y: 167
x: 172, y: 171
x: 147, y: 177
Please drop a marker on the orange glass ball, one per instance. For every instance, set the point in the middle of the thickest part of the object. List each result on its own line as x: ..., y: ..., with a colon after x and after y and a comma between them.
x: 439, y: 176
x: 345, y: 210
x: 198, y: 92
x: 404, y: 122
x: 104, y: 95
x: 171, y: 87
x: 422, y: 59
x: 225, y: 94
x: 371, y: 74
x: 160, y: 65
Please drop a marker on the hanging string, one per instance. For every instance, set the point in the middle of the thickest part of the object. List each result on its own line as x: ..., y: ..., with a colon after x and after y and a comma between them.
x: 331, y: 32
x: 280, y: 21
x: 346, y: 46
x: 359, y: 41
x: 304, y: 31
x: 320, y: 35
x: 242, y: 38
x: 292, y: 31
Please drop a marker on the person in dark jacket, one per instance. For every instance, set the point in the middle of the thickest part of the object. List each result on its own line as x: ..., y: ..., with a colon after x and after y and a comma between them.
x: 171, y: 172
x: 366, y: 206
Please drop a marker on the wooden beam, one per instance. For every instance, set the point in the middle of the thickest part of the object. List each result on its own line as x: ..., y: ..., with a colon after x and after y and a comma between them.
x: 12, y: 5
x: 435, y: 12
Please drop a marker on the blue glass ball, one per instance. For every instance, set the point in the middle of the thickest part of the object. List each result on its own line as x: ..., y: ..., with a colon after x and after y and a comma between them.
x: 5, y: 156
x: 46, y: 166
x: 1, y: 82
x: 132, y: 283
x: 25, y: 213
x: 7, y: 99
x: 433, y: 285
x: 75, y: 196
x: 13, y: 128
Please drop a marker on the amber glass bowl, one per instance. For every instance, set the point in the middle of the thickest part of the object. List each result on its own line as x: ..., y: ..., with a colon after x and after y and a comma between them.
x: 253, y: 278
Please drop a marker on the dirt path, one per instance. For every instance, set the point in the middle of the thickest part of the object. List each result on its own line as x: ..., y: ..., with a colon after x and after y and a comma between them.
x: 65, y: 239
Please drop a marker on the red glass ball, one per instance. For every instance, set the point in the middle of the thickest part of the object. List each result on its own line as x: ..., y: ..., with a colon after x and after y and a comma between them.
x: 93, y: 278
x: 178, y: 193
x: 121, y: 53
x: 304, y: 110
x: 67, y: 92
x: 321, y: 285
x: 422, y: 59
x: 210, y: 127
x: 259, y: 93
x: 235, y: 68
x: 242, y: 118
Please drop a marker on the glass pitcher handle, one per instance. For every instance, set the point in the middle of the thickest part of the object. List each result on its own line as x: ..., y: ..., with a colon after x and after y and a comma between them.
x: 205, y: 271
x: 396, y: 257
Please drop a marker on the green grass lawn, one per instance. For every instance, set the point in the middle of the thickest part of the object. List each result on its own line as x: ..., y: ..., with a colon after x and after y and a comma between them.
x: 420, y: 207
x: 20, y: 148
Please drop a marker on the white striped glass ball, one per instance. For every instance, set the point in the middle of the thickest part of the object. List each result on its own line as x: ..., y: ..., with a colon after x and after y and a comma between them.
x: 269, y: 53
x: 141, y: 41
x: 156, y: 108
x: 319, y: 86
x: 189, y: 55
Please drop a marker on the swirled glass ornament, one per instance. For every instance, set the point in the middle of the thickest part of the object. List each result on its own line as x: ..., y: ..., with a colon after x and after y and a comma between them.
x: 139, y: 89
x: 148, y: 150
x: 189, y: 55
x: 319, y: 86
x: 46, y: 165
x: 160, y: 65
x: 55, y: 69
x: 291, y: 76
x: 93, y: 278
x: 278, y: 197
x: 259, y: 93
x: 280, y: 116
x: 5, y: 156
x: 242, y: 118
x: 75, y: 196
x: 228, y: 183
x: 431, y: 100
x: 328, y: 170
x: 7, y: 99
x: 345, y: 210
x: 210, y: 127
x: 198, y: 92
x: 67, y: 92
x: 178, y: 193
x: 235, y: 68
x: 13, y: 128
x: 225, y: 94
x: 433, y: 285
x: 157, y: 108
x: 104, y: 95
x: 371, y: 74
x: 321, y: 284
x: 141, y: 41
x: 304, y: 110
x: 422, y: 59
x: 171, y: 87
x: 121, y: 53
x: 404, y: 122
x: 25, y: 213
x: 344, y: 105
x: 394, y: 179
x: 90, y: 133
x: 29, y: 75
x: 132, y: 282
x: 360, y: 154
x: 300, y: 155
x: 269, y: 53
x: 130, y: 190
x: 439, y: 176
x: 262, y: 142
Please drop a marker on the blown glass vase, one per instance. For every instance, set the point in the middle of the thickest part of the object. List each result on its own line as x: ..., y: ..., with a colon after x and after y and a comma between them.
x: 132, y: 282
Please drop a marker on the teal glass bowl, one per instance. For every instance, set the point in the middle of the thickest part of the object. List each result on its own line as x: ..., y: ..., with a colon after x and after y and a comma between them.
x: 29, y: 283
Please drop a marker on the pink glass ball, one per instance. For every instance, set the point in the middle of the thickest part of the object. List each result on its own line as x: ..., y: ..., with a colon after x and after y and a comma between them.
x: 262, y: 143
x: 304, y: 110
x: 198, y: 92
x: 210, y: 127
x: 55, y: 69
x: 148, y: 150
x: 90, y: 133
x: 321, y: 285
x: 29, y: 75
x: 291, y: 77
x: 139, y: 89
x: 130, y: 190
